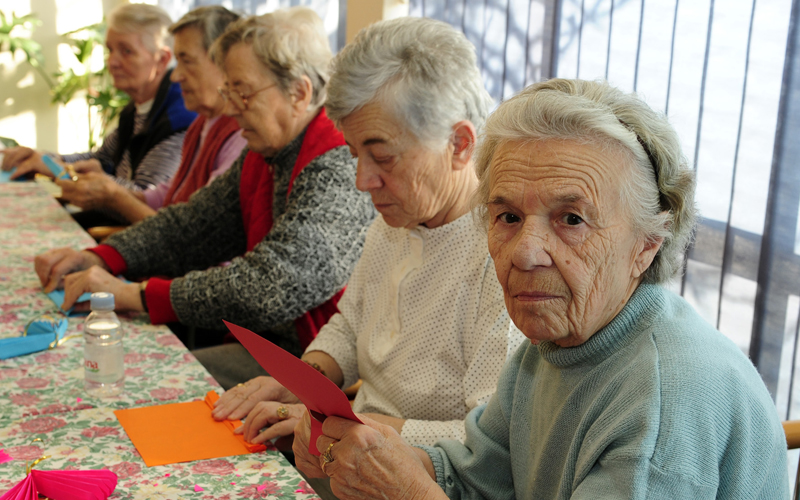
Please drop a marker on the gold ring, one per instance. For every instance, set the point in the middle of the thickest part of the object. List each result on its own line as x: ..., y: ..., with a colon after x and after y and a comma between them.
x: 239, y: 385
x: 327, y: 457
x: 283, y: 412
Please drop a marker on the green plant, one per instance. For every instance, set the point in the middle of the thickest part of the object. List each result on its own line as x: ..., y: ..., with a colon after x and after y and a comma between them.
x: 32, y: 50
x: 101, y: 95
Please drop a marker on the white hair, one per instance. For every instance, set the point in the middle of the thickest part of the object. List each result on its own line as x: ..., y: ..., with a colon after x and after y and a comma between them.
x: 290, y: 43
x: 211, y: 21
x: 149, y: 21
x: 660, y: 190
x: 424, y: 70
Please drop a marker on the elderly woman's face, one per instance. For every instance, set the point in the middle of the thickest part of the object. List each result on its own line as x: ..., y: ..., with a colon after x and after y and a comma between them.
x: 197, y: 74
x: 408, y: 182
x: 564, y: 250
x: 268, y: 119
x: 132, y: 66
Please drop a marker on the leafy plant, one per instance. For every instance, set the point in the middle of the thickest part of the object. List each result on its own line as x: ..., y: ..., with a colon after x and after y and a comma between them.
x: 101, y: 95
x: 12, y: 43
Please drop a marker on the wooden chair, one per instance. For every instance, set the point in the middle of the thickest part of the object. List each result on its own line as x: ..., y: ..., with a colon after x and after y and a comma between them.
x: 100, y: 233
x: 792, y: 430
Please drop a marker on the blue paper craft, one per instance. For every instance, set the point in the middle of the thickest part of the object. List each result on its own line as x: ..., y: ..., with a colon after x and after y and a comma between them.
x: 58, y: 171
x: 5, y: 175
x: 57, y: 296
x: 40, y: 334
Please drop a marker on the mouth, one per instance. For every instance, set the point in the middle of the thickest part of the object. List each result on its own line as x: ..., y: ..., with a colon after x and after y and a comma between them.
x: 535, y: 296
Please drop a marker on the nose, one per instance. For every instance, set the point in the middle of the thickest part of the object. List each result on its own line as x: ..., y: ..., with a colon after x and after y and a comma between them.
x: 530, y: 247
x: 113, y: 60
x: 229, y: 109
x: 177, y: 74
x: 367, y: 178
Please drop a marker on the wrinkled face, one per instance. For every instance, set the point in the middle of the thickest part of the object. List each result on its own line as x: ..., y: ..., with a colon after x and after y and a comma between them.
x: 132, y: 66
x: 564, y: 250
x: 197, y: 74
x: 409, y: 183
x: 266, y: 123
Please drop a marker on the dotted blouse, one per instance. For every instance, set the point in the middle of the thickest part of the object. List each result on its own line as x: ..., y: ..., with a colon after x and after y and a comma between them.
x: 424, y: 325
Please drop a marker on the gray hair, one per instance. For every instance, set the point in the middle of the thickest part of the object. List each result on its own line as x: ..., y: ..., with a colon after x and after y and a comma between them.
x: 290, y: 43
x: 211, y: 21
x: 149, y: 21
x: 660, y: 191
x: 424, y: 70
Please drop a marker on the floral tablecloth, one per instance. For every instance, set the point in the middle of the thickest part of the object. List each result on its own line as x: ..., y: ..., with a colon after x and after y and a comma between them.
x: 41, y: 394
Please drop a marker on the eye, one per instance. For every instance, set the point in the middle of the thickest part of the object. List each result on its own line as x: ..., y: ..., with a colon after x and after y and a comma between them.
x: 508, y: 218
x: 572, y: 220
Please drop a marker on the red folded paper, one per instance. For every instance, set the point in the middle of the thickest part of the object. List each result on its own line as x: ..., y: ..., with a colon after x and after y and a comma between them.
x: 321, y: 396
x: 183, y: 432
x: 64, y: 485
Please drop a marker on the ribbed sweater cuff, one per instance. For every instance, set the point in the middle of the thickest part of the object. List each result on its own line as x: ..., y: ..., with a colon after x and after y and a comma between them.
x: 112, y: 258
x: 438, y: 465
x: 158, y: 302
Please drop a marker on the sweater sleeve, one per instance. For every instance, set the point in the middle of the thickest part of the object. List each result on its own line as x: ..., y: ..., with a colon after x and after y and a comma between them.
x: 487, y: 345
x: 203, y: 232
x: 481, y: 467
x: 305, y: 259
x: 159, y: 165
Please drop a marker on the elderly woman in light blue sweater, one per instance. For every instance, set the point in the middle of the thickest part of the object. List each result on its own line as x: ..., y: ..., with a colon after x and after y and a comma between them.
x: 623, y: 391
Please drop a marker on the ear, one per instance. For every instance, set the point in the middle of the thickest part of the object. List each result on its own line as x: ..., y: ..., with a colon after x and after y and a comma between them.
x: 301, y: 94
x: 164, y: 58
x: 645, y: 256
x: 463, y: 139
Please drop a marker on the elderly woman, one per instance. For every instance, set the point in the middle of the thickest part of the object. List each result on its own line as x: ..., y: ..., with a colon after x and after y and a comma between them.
x: 146, y: 147
x: 288, y: 207
x: 422, y: 321
x: 624, y: 391
x: 212, y: 143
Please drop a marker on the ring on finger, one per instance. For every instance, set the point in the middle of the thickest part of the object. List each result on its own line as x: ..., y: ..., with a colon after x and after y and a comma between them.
x: 327, y: 457
x: 283, y: 412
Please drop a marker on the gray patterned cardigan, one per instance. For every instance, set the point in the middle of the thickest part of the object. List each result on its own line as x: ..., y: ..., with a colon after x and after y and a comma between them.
x: 316, y: 239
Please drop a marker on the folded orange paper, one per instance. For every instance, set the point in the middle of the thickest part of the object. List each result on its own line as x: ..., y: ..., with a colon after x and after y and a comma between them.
x: 183, y: 432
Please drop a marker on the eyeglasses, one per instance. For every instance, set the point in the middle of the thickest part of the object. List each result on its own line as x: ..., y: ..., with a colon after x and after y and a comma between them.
x: 237, y: 98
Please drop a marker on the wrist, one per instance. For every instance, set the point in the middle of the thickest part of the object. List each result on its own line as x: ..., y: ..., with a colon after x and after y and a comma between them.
x: 143, y: 296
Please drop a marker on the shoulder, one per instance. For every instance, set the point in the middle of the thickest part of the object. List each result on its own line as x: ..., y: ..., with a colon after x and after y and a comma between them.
x: 336, y: 159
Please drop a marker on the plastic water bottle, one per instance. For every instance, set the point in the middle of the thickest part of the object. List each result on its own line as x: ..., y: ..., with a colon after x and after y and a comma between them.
x: 103, y: 369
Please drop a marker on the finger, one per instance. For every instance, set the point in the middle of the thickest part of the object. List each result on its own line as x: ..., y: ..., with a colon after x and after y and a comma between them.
x: 337, y: 427
x: 256, y: 420
x: 74, y: 286
x: 276, y: 430
x: 69, y: 264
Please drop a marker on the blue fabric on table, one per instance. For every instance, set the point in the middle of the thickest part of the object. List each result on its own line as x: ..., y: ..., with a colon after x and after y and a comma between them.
x: 5, y: 175
x: 57, y: 296
x: 40, y: 334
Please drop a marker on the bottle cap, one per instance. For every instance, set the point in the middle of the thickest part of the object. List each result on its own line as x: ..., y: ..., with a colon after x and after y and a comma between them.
x: 102, y: 301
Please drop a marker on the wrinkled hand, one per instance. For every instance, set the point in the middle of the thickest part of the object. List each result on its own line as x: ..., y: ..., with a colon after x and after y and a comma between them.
x: 97, y: 279
x: 92, y: 190
x: 27, y: 161
x: 86, y: 166
x: 370, y: 460
x: 265, y: 414
x: 237, y: 402
x: 53, y: 265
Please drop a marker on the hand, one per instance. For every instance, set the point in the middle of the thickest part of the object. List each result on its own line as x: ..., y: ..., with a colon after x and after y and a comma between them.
x: 97, y: 279
x: 86, y: 166
x: 237, y: 402
x: 26, y: 160
x: 53, y: 265
x: 265, y: 414
x: 92, y: 190
x: 370, y: 460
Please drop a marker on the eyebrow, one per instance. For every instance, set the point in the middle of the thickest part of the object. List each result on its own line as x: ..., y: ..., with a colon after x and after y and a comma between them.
x: 370, y: 141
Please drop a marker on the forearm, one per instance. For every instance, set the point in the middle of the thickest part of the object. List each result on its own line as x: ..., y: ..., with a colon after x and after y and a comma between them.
x: 130, y: 204
x: 426, y: 461
x: 393, y: 422
x: 328, y: 366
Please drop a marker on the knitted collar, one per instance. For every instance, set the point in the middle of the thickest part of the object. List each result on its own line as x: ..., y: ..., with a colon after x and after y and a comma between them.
x: 646, y: 303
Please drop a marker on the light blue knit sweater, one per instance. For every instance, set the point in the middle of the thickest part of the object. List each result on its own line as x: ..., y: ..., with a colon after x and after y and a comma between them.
x: 656, y: 405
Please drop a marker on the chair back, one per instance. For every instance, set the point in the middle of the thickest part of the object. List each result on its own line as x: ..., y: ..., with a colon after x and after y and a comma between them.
x: 792, y: 430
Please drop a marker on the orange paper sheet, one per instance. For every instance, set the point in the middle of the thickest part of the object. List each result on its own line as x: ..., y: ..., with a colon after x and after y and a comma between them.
x: 182, y: 432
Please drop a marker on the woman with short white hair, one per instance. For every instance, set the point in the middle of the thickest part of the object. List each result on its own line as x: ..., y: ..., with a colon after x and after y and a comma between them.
x: 422, y: 322
x: 145, y: 149
x: 624, y: 390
